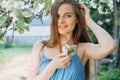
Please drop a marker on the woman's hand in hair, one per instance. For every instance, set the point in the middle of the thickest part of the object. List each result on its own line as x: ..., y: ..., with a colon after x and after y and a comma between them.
x: 61, y: 61
x: 86, y: 12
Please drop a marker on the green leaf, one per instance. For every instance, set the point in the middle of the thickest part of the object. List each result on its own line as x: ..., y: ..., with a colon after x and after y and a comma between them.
x: 1, y: 1
x: 37, y: 2
x: 27, y: 28
x: 27, y: 16
x: 71, y: 49
x: 21, y: 26
x: 28, y: 20
x: 2, y: 19
x: 5, y: 21
x: 59, y: 0
x: 15, y: 28
x: 20, y: 23
x: 113, y: 73
x: 21, y: 30
x: 2, y: 40
x: 96, y: 1
x: 17, y: 11
x: 1, y: 37
x: 40, y: 1
x: 48, y: 4
x: 26, y: 13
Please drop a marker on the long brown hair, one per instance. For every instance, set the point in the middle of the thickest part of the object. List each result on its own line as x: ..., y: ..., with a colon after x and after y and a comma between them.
x: 79, y: 33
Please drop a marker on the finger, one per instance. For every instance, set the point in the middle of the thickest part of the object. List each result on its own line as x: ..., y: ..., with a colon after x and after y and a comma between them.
x: 64, y: 61
x: 69, y: 63
x: 65, y: 58
x: 83, y: 7
x: 60, y: 55
x: 66, y: 64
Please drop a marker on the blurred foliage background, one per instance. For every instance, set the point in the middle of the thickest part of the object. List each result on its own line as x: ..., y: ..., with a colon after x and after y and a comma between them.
x: 16, y: 15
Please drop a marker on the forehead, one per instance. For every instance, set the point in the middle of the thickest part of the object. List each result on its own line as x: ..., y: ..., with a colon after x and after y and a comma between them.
x: 64, y: 8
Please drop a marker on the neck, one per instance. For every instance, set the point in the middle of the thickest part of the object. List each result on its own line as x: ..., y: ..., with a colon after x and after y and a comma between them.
x: 66, y: 40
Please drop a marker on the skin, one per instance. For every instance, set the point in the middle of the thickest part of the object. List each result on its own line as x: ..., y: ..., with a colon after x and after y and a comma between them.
x: 66, y: 24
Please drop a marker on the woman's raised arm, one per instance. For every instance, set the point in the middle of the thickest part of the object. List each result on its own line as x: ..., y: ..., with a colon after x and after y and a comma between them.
x: 106, y: 44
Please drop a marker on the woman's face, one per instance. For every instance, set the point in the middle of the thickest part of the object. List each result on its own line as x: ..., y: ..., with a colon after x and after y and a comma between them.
x: 66, y: 19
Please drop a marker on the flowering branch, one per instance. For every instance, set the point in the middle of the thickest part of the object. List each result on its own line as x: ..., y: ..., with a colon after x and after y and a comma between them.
x: 67, y: 50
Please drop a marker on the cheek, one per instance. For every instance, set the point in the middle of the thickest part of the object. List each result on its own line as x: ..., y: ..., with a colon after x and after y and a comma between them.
x: 71, y: 26
x: 72, y: 23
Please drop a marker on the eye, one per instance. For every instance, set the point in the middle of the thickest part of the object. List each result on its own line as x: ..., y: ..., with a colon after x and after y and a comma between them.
x: 69, y: 16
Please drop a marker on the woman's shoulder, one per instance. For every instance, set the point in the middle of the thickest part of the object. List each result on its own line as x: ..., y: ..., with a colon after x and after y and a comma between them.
x: 83, y: 46
x: 37, y: 47
x: 38, y: 44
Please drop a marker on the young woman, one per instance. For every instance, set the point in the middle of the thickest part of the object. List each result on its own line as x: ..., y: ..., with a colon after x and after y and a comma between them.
x: 68, y: 26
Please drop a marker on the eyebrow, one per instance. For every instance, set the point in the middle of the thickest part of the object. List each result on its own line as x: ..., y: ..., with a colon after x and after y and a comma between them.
x: 67, y: 13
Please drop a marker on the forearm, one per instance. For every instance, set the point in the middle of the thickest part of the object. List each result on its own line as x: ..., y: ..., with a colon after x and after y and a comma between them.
x: 104, y: 39
x: 46, y: 74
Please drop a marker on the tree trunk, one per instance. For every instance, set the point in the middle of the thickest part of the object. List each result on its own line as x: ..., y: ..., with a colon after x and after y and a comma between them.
x: 116, y: 33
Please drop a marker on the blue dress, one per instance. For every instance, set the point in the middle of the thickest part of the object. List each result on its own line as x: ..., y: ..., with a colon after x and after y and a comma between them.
x: 75, y: 71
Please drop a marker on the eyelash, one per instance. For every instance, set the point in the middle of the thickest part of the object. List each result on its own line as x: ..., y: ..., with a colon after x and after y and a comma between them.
x: 68, y: 15
x: 65, y: 16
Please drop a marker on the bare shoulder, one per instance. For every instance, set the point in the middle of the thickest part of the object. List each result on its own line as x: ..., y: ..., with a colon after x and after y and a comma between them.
x: 38, y: 44
x: 37, y: 47
x: 82, y: 48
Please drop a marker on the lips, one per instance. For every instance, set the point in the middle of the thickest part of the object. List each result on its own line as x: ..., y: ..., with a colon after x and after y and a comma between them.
x: 62, y: 26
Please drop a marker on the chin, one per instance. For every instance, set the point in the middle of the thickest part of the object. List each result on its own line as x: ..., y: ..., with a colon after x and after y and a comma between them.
x: 62, y: 33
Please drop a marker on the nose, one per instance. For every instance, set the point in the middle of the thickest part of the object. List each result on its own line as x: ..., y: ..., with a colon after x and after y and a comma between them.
x: 61, y: 20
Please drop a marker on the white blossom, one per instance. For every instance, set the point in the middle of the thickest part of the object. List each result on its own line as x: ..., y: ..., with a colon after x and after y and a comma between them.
x: 81, y: 1
x: 19, y: 4
x: 14, y: 17
x: 26, y: 0
x: 110, y: 4
x: 106, y: 12
x: 100, y: 10
x: 108, y: 20
x: 8, y: 5
x: 103, y: 1
x: 53, y: 1
x: 93, y: 5
x: 65, y: 50
x: 27, y: 6
x: 100, y: 22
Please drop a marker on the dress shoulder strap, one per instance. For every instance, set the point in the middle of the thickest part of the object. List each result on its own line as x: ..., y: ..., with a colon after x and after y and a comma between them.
x: 76, y: 49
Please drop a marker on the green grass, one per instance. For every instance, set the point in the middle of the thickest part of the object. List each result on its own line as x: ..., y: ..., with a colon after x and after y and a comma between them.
x: 7, y: 53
